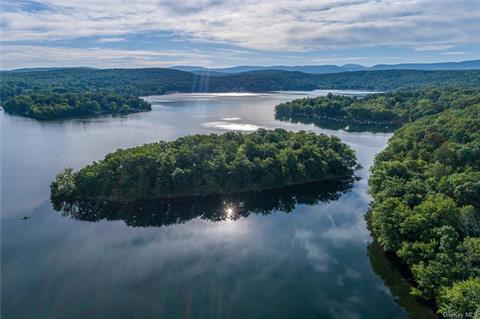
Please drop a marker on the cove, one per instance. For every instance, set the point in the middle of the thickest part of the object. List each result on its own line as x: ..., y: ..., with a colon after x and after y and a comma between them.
x: 301, y: 254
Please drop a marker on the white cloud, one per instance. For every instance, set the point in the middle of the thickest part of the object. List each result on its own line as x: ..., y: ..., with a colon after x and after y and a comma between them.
x: 17, y: 56
x: 317, y: 255
x: 110, y: 40
x: 433, y: 47
x: 291, y: 25
x: 454, y: 53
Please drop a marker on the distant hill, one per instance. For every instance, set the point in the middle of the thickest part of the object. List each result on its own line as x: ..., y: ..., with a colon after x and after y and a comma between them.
x: 313, y: 69
x: 324, y: 69
x: 49, y: 69
x: 465, y: 65
x: 152, y: 81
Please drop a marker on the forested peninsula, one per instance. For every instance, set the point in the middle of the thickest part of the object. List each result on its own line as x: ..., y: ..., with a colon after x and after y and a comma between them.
x: 199, y: 165
x: 50, y: 105
x: 391, y: 108
x: 426, y: 206
x: 425, y: 184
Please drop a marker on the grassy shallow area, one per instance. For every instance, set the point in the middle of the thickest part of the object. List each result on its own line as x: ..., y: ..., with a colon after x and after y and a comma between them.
x: 200, y: 165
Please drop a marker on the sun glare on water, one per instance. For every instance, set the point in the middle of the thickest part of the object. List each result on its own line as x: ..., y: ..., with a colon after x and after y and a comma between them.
x: 229, y: 213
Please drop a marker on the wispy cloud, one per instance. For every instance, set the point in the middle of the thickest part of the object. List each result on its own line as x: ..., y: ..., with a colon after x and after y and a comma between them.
x: 438, y: 47
x: 264, y: 25
x: 111, y: 40
x: 17, y: 56
x: 234, y: 31
x: 455, y: 53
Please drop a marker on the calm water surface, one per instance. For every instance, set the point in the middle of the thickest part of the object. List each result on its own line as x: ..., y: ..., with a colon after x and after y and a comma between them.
x: 298, y: 253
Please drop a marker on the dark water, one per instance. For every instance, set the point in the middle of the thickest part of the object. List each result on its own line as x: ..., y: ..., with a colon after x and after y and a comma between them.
x: 294, y: 253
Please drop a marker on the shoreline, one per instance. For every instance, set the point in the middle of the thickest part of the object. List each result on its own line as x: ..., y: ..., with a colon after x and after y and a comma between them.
x: 344, y: 178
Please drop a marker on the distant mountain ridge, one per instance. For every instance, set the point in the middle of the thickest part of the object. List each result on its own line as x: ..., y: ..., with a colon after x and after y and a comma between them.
x: 464, y: 65
x: 50, y: 69
x: 324, y: 69
x: 311, y: 69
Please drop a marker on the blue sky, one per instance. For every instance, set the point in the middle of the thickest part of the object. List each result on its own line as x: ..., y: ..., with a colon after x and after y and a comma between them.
x: 214, y: 33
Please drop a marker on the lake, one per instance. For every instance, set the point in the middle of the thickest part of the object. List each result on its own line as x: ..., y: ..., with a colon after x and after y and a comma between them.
x: 294, y: 253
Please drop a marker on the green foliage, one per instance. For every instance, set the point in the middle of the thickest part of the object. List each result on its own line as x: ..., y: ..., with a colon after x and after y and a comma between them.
x: 142, y: 82
x: 50, y: 105
x: 206, y: 164
x: 463, y: 298
x: 30, y: 86
x: 64, y: 184
x: 426, y: 207
x: 391, y: 108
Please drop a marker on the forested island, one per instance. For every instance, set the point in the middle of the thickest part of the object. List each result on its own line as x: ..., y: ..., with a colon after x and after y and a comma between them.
x: 51, y: 105
x: 386, y: 109
x: 426, y: 207
x: 199, y: 165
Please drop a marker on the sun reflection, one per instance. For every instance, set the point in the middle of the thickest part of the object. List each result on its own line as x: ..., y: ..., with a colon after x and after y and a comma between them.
x: 229, y: 213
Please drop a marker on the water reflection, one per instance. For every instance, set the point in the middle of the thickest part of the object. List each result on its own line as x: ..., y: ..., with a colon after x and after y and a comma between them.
x: 337, y: 125
x: 310, y: 263
x: 398, y: 285
x: 156, y: 213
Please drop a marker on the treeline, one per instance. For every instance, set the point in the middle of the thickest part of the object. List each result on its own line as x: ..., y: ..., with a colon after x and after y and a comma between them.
x: 391, y: 108
x: 426, y: 207
x: 209, y: 164
x: 50, y: 105
x: 59, y: 83
x: 142, y: 82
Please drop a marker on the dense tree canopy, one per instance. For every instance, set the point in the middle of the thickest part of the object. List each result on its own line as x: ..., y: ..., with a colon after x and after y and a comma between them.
x: 49, y: 105
x: 142, y: 82
x: 426, y: 208
x: 391, y: 108
x: 207, y: 164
